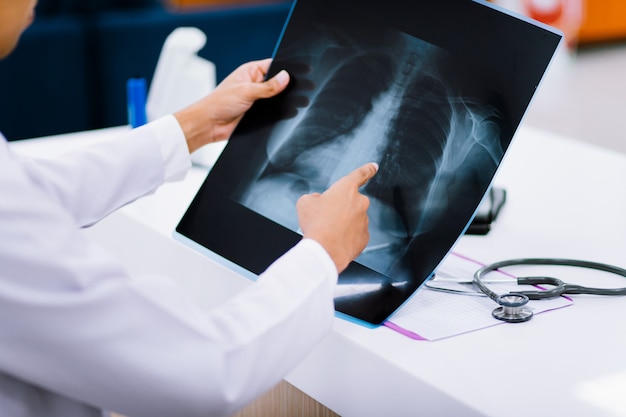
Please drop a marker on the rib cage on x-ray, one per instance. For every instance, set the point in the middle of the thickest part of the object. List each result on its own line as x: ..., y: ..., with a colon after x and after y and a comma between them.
x: 385, y: 101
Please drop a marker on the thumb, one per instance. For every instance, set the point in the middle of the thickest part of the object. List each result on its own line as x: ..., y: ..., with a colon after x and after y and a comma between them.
x: 274, y: 85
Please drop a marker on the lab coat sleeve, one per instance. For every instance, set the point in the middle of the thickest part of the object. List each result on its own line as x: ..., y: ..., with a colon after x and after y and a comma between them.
x: 93, y: 181
x: 75, y: 323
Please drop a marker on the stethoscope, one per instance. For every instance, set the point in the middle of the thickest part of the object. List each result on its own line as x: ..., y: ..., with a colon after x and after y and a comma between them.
x: 512, y: 306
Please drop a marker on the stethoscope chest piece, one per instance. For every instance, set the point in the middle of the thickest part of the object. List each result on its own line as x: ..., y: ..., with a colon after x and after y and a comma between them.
x: 512, y: 308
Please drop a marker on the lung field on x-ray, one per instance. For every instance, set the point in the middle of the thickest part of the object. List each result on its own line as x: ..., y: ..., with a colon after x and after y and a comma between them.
x: 381, y: 98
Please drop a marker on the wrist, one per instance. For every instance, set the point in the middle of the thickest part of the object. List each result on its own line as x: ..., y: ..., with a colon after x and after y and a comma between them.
x: 196, y: 128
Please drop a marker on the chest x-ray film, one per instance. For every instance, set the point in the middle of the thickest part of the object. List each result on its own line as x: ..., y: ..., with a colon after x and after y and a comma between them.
x: 431, y: 90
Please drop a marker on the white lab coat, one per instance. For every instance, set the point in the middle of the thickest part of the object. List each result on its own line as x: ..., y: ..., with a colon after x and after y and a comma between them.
x: 78, y: 335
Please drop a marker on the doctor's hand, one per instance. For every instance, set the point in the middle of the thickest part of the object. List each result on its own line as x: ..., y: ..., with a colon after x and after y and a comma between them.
x: 214, y: 117
x: 337, y: 219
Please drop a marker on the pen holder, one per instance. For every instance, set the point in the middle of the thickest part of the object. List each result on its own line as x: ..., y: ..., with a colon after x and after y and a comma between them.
x: 136, y: 98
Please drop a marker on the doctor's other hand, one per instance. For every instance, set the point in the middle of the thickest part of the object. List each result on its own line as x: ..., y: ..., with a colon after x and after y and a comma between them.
x: 337, y: 219
x: 214, y: 117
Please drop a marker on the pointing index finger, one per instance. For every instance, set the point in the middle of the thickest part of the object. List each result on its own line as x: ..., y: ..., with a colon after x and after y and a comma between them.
x: 364, y: 173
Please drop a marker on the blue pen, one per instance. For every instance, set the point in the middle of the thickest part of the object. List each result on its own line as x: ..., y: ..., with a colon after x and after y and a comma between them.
x: 136, y: 97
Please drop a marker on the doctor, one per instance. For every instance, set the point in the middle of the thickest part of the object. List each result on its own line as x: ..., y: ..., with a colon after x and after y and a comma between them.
x: 78, y: 335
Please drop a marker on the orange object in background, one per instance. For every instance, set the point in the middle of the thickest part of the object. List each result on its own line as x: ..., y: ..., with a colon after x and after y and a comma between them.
x: 603, y: 20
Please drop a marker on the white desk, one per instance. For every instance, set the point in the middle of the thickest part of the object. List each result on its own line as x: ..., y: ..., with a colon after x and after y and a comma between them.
x: 565, y: 199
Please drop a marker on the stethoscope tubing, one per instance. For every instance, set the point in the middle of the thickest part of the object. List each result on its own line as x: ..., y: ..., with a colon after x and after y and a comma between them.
x: 559, y: 287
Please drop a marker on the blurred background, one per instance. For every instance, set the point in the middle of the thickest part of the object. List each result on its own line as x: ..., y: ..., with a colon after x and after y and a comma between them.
x: 69, y: 72
x: 583, y: 95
